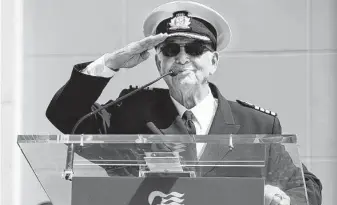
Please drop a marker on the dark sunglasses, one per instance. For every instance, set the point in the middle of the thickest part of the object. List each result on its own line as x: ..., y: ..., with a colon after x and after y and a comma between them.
x: 194, y: 48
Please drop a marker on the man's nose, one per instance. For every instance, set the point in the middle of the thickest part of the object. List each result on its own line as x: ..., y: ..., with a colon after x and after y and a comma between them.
x: 182, y: 57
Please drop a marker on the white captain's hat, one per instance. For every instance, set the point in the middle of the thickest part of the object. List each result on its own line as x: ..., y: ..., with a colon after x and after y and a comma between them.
x: 189, y: 19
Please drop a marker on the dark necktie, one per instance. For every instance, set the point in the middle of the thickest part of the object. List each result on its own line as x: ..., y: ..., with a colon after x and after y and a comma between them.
x: 188, y: 117
x: 190, y: 153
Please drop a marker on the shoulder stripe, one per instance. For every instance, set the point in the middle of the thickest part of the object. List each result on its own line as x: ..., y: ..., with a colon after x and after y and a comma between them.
x: 247, y: 104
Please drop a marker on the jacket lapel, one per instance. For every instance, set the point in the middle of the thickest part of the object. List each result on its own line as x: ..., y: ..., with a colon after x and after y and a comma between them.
x: 223, y: 123
x: 165, y: 118
x: 177, y: 127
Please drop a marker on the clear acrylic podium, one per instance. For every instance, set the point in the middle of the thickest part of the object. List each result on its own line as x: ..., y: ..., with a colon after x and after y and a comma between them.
x: 170, y: 169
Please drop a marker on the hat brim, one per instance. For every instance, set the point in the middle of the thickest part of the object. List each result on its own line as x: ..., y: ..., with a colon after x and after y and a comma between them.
x: 190, y: 35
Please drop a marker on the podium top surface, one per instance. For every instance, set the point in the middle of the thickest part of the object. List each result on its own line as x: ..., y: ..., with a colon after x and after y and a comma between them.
x: 140, y: 138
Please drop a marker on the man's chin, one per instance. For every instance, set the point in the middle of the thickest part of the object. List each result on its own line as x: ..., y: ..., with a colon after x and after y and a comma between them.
x: 188, y: 82
x: 185, y: 83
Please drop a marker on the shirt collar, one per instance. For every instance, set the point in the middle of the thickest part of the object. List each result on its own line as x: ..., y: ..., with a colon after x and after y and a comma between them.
x: 203, y: 112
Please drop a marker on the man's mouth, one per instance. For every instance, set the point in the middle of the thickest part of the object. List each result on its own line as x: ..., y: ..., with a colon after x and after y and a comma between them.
x: 182, y: 70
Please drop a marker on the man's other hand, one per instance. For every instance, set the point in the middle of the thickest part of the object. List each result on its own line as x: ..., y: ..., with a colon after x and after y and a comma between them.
x: 275, y: 196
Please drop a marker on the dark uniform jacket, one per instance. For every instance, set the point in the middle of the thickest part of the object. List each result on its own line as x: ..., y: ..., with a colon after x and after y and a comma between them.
x: 133, y: 115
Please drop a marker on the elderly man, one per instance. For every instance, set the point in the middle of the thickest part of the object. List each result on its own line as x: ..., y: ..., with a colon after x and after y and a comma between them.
x: 187, y: 37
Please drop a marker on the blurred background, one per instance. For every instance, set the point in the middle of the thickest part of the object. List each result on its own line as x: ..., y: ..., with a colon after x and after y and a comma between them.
x: 282, y: 57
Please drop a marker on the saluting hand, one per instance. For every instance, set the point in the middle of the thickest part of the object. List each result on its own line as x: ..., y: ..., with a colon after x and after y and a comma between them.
x: 134, y: 53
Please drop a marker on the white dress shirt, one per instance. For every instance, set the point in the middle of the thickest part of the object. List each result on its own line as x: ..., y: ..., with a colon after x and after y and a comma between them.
x: 203, y: 112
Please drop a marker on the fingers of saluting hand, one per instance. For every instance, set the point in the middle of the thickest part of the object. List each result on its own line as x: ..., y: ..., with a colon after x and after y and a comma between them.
x: 147, y: 43
x: 134, y: 53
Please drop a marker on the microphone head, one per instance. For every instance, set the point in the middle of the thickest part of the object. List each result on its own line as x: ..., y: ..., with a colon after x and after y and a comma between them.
x: 174, y: 72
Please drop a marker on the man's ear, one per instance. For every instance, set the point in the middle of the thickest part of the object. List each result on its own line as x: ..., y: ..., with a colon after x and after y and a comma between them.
x: 215, y: 62
x: 158, y: 62
x: 215, y: 58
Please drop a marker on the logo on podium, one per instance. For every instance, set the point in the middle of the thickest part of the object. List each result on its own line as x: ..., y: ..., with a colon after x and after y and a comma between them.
x: 173, y: 198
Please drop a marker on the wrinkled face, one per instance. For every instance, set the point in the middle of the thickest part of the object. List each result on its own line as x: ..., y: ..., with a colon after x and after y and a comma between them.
x: 196, y: 61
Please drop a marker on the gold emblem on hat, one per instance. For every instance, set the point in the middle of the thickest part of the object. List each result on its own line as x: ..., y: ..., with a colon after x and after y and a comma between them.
x: 180, y: 21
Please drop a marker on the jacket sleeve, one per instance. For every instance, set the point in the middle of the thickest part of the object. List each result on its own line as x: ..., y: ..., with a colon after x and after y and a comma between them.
x: 313, y: 184
x: 282, y: 173
x: 314, y: 187
x: 76, y: 99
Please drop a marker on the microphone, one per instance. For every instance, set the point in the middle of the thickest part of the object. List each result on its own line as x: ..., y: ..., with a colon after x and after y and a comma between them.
x: 68, y: 172
x: 174, y: 72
